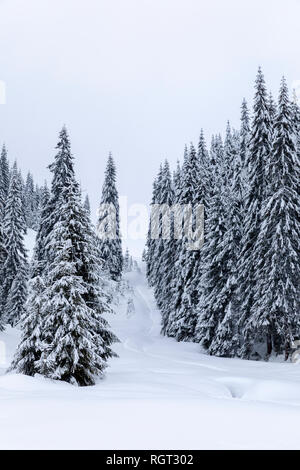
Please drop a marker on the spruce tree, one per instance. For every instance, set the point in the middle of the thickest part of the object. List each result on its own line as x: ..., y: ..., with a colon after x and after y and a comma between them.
x: 275, y: 314
x: 87, y: 205
x: 77, y: 337
x: 185, y: 314
x: 126, y: 261
x: 244, y: 133
x: 4, y: 180
x: 30, y: 348
x: 164, y: 247
x: 211, y: 281
x: 252, y: 249
x: 62, y: 169
x: 109, y: 224
x: 151, y: 243
x: 14, y: 227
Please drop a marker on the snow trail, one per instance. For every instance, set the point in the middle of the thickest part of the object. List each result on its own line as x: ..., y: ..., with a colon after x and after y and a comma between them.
x: 157, y: 394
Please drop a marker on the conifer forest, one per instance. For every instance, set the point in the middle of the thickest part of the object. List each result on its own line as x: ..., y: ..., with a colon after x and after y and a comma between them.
x: 187, y: 336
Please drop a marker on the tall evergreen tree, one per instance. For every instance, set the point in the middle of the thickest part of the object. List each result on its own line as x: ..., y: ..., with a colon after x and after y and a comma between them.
x: 151, y: 243
x: 185, y: 315
x: 164, y: 253
x: 87, y: 205
x: 244, y: 133
x: 16, y: 258
x: 77, y: 336
x: 275, y: 314
x: 30, y: 348
x: 252, y: 249
x: 4, y: 180
x: 62, y: 169
x: 109, y: 224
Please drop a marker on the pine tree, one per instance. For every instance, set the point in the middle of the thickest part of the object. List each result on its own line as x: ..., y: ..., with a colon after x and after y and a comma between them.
x: 29, y: 201
x: 77, y: 337
x: 244, y: 133
x: 109, y: 224
x: 62, y: 169
x: 151, y: 243
x: 275, y: 314
x: 16, y: 258
x: 15, y: 306
x: 80, y: 338
x: 211, y: 281
x: 4, y: 180
x: 164, y: 249
x: 126, y: 261
x: 31, y: 344
x: 252, y: 250
x: 87, y: 205
x: 184, y: 320
x: 39, y: 261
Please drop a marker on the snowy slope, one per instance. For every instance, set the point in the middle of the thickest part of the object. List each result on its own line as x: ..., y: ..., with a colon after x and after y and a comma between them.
x: 159, y: 394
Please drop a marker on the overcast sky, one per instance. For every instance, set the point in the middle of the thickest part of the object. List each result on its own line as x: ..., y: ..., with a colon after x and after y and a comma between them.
x: 135, y: 77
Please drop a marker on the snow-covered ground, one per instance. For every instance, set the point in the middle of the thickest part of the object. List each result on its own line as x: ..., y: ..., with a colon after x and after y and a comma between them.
x: 158, y: 394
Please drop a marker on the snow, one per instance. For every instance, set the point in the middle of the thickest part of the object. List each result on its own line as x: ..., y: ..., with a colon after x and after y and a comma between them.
x: 29, y: 240
x: 159, y: 394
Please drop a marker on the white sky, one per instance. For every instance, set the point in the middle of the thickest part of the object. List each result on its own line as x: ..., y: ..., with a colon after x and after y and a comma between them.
x: 137, y: 77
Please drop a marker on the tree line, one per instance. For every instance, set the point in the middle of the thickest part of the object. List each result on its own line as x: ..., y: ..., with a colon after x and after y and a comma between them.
x: 238, y: 295
x: 59, y: 298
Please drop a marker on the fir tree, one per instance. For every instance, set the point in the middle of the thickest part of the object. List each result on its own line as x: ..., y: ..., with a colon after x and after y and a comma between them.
x: 109, y: 224
x: 126, y: 261
x: 164, y: 249
x: 87, y: 205
x: 76, y: 336
x: 151, y: 243
x: 31, y: 345
x: 275, y: 317
x: 4, y: 180
x: 185, y: 315
x: 16, y: 258
x: 62, y: 169
x: 252, y: 250
x: 244, y: 133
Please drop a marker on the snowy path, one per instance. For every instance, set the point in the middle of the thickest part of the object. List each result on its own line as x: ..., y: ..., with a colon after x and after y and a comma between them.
x: 157, y: 394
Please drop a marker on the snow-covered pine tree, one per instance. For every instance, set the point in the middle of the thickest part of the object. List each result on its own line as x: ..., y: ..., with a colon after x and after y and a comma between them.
x: 62, y: 169
x: 30, y: 347
x: 4, y: 180
x: 126, y: 261
x: 14, y: 227
x: 210, y: 280
x: 3, y: 255
x: 183, y: 323
x: 108, y: 226
x: 272, y: 108
x: 23, y: 199
x: 164, y: 252
x: 77, y: 337
x: 15, y: 305
x: 39, y: 261
x: 251, y: 248
x: 151, y: 242
x: 29, y: 201
x: 244, y: 133
x: 87, y: 205
x: 296, y: 125
x: 275, y: 313
x: 226, y: 339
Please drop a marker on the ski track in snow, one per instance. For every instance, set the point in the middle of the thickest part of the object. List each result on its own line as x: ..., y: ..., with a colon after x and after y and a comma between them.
x: 159, y: 394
